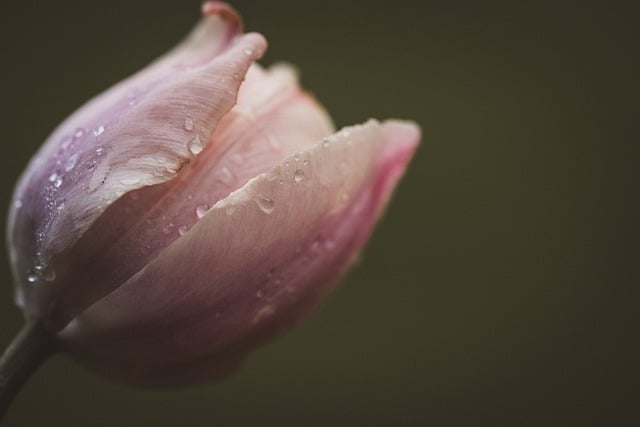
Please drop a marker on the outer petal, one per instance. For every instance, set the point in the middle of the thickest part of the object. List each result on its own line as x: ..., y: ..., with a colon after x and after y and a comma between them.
x: 140, y: 132
x: 272, y: 120
x: 257, y: 262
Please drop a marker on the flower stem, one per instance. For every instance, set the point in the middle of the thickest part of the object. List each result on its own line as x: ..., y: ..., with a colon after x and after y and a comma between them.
x: 28, y: 350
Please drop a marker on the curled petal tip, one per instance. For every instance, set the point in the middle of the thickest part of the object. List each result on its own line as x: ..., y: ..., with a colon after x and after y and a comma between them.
x: 404, y: 133
x: 226, y: 12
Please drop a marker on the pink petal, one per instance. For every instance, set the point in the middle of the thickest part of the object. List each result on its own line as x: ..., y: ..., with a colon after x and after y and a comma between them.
x: 113, y: 145
x: 273, y: 120
x: 260, y: 260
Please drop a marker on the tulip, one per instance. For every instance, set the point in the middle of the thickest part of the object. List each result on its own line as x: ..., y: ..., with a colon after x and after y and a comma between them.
x: 195, y: 211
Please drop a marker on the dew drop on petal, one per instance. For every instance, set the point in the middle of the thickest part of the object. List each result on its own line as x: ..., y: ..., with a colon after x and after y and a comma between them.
x: 130, y: 181
x: 167, y: 228
x: 71, y: 162
x: 226, y: 176
x: 79, y: 133
x: 195, y: 145
x: 66, y: 141
x: 329, y: 244
x: 182, y: 230
x: 202, y: 210
x: 58, y: 182
x: 32, y: 277
x: 98, y: 131
x: 188, y: 124
x: 39, y: 265
x: 18, y: 204
x: 298, y: 175
x: 53, y: 177
x: 265, y: 204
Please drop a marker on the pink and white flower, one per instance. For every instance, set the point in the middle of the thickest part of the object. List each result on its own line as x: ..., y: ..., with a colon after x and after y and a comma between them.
x: 195, y: 210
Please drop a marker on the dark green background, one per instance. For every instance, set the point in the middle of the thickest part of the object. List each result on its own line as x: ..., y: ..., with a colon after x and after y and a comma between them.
x: 501, y: 287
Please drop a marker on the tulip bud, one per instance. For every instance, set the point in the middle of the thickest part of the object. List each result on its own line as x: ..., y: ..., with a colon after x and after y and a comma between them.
x: 195, y: 210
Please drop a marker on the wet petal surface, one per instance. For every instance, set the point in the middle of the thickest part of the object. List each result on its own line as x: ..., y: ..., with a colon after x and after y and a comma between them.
x: 257, y: 262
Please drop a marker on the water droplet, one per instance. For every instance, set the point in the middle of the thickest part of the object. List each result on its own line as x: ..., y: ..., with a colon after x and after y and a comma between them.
x: 71, y: 162
x: 298, y: 175
x: 66, y: 141
x: 32, y: 277
x: 182, y: 230
x: 39, y: 265
x: 17, y: 204
x: 79, y: 133
x: 167, y: 228
x: 98, y: 131
x: 130, y: 180
x: 53, y: 177
x: 131, y: 95
x: 265, y: 204
x: 306, y: 163
x: 202, y: 210
x: 329, y: 244
x: 273, y: 141
x: 226, y: 176
x: 188, y: 124
x: 99, y: 150
x: 296, y: 157
x: 195, y: 145
x: 325, y: 143
x: 58, y: 182
x: 248, y: 52
x: 236, y: 76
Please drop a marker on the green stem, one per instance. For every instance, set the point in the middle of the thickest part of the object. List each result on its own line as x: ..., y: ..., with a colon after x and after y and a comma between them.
x: 28, y: 350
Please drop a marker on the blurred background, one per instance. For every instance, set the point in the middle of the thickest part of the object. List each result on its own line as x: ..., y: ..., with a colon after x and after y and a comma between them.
x: 502, y: 286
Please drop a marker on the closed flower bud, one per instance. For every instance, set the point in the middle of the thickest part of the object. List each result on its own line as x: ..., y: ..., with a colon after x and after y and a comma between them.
x: 195, y: 210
